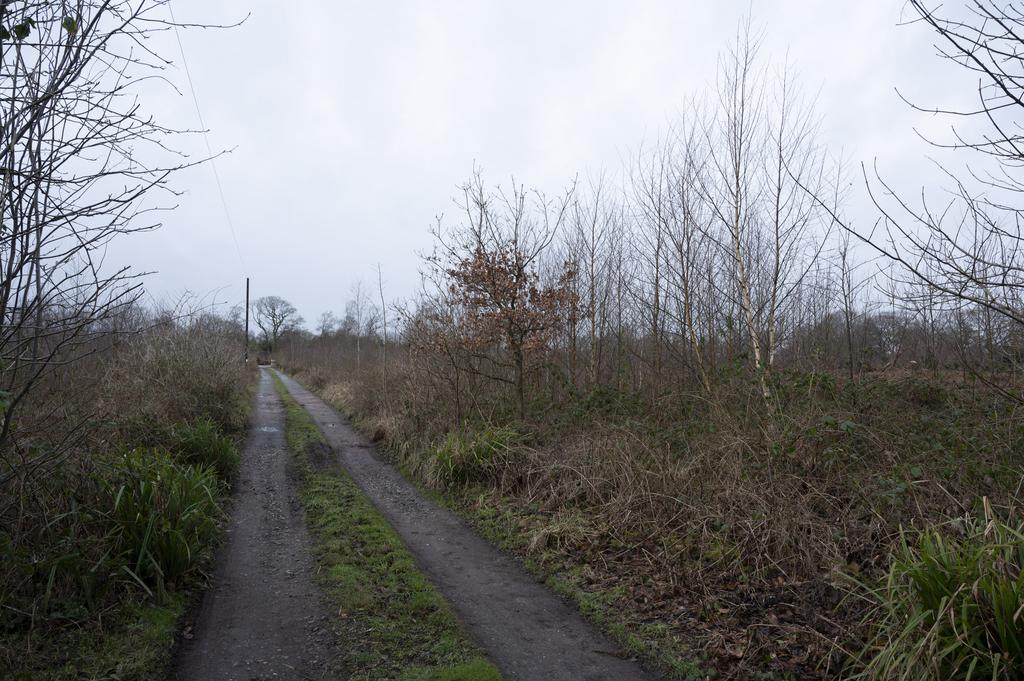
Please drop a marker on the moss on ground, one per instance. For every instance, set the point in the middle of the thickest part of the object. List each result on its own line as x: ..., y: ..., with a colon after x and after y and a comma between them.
x: 135, y: 643
x: 401, y: 627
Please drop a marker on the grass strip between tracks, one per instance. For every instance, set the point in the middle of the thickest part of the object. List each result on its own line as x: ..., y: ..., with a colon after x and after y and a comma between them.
x: 395, y: 623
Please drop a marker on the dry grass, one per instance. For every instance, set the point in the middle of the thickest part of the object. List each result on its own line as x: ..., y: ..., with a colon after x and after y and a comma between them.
x: 734, y: 526
x: 177, y: 374
x: 67, y: 566
x: 730, y: 525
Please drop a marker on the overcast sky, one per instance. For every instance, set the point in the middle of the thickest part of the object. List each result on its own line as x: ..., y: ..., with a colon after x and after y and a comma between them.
x: 353, y: 123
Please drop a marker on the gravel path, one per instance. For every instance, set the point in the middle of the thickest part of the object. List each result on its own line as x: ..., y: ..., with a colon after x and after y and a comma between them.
x: 263, y: 617
x: 527, y: 630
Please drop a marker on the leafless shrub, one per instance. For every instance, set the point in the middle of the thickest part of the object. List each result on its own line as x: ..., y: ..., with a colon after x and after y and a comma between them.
x: 178, y: 370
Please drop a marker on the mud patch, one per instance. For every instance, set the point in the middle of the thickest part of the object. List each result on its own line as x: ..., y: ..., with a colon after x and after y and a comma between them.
x: 320, y: 455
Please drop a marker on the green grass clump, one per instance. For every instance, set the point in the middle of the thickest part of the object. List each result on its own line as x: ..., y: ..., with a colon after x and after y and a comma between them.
x: 952, y: 605
x: 102, y: 597
x: 164, y: 517
x: 407, y: 630
x: 132, y: 643
x: 466, y: 456
x: 201, y: 442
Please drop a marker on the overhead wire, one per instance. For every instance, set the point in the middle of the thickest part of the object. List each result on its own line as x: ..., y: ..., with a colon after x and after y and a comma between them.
x: 206, y: 138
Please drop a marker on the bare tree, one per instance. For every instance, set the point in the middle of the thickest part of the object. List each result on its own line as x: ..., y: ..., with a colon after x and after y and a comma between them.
x: 970, y: 249
x: 652, y: 186
x: 73, y: 176
x: 327, y: 324
x: 384, y: 334
x: 967, y: 252
x: 734, y: 137
x: 762, y: 185
x: 273, y: 316
x: 794, y: 175
x: 359, y: 318
x: 690, y: 219
x: 595, y: 225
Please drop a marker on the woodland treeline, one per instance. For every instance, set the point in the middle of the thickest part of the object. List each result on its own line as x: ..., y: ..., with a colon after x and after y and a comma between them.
x: 724, y: 251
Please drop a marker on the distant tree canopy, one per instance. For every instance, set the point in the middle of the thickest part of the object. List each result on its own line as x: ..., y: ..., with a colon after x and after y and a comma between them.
x: 274, y: 316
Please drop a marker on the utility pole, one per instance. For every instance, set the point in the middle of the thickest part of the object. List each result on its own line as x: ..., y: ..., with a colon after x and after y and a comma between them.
x: 247, y: 321
x: 384, y: 347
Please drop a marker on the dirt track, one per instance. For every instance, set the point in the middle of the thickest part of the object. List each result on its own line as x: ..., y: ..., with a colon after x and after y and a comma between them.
x: 528, y: 632
x: 263, y: 617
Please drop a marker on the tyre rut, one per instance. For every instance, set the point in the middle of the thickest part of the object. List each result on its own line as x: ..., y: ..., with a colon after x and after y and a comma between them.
x: 263, y: 616
x: 529, y: 632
